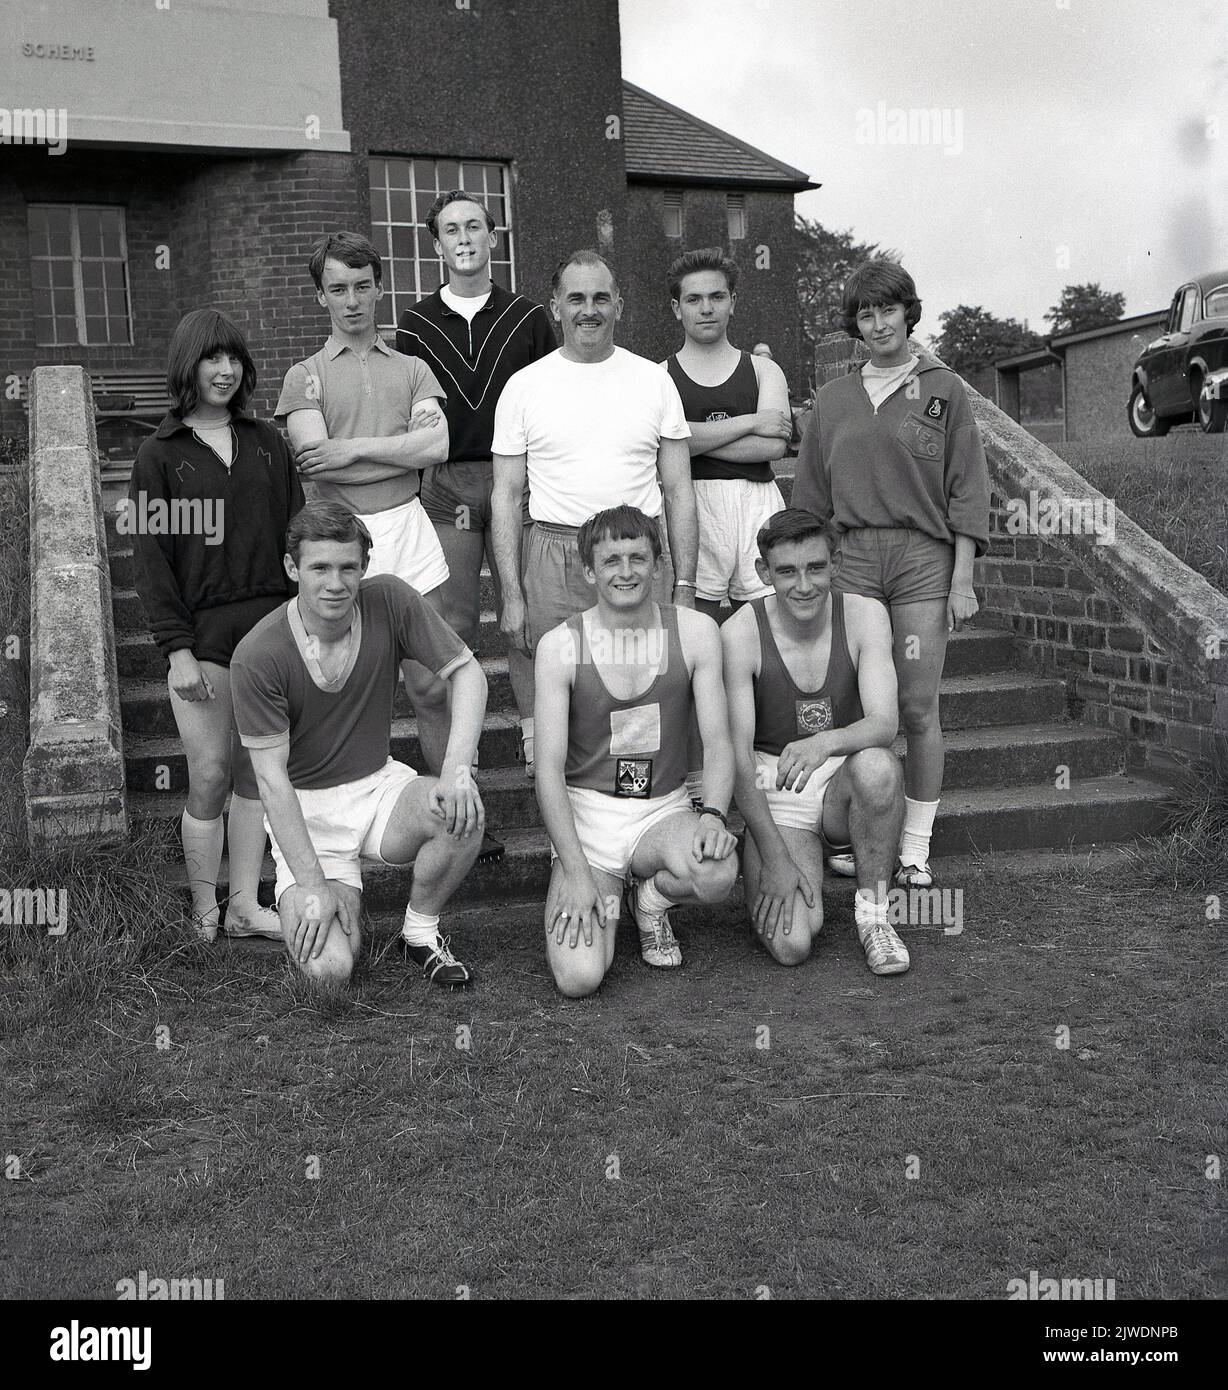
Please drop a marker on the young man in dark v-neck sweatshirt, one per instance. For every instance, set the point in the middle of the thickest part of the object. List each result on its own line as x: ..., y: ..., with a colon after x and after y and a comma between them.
x: 474, y: 335
x: 812, y: 709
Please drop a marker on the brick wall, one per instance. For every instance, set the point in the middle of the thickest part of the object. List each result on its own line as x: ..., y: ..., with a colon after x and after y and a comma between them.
x: 1118, y: 675
x: 767, y: 299
x: 238, y: 233
x: 1098, y: 385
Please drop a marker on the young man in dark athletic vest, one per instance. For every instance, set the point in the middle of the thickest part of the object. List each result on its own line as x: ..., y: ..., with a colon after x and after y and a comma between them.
x: 616, y: 687
x: 812, y: 704
x: 737, y: 406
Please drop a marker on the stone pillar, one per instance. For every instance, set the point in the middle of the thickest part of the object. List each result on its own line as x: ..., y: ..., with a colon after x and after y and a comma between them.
x: 74, y: 768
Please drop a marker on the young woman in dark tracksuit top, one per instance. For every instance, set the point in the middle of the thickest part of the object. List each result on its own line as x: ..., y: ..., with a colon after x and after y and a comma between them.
x: 212, y: 493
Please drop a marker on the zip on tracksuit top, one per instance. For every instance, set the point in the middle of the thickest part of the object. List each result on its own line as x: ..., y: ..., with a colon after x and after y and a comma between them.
x: 917, y: 462
x: 473, y: 361
x: 180, y: 573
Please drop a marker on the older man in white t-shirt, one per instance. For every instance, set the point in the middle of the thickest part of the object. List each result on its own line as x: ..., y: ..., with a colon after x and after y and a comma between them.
x: 591, y: 426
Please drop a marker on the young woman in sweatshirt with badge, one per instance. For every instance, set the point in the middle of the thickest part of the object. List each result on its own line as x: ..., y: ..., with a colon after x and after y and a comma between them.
x: 893, y: 456
x: 212, y: 493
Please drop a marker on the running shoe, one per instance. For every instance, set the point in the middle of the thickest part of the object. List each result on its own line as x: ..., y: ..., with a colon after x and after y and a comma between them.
x: 886, y: 954
x: 263, y: 922
x: 842, y: 865
x: 913, y: 875
x: 438, y: 963
x: 658, y: 944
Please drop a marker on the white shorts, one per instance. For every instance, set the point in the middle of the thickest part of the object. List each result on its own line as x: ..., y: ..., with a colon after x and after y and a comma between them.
x: 610, y: 827
x: 800, y: 810
x: 406, y: 544
x: 346, y: 823
x: 731, y: 511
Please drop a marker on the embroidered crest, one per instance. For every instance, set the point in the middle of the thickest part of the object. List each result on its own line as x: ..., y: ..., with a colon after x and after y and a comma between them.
x: 716, y: 415
x: 936, y: 407
x: 633, y: 777
x: 813, y: 716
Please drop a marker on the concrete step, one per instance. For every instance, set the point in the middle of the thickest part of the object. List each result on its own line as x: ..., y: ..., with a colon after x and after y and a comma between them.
x: 137, y: 654
x: 1009, y: 755
x: 970, y: 652
x: 994, y: 698
x: 1092, y: 811
x: 146, y: 703
x: 1099, y: 810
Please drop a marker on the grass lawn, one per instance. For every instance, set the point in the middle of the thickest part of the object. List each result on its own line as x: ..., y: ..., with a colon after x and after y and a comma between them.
x: 1176, y: 488
x: 638, y: 1143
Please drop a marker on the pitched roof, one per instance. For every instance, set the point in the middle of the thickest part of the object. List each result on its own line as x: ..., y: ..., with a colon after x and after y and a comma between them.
x: 664, y: 144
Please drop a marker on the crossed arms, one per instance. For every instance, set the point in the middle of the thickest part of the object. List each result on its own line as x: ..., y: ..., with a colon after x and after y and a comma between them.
x: 374, y: 458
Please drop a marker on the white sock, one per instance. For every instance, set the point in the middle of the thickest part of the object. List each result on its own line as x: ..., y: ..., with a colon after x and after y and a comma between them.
x: 202, y: 857
x: 651, y: 899
x: 918, y: 827
x: 526, y: 738
x: 419, y: 929
x: 866, y: 912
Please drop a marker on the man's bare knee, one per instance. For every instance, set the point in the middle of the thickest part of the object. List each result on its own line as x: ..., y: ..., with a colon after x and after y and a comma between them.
x: 576, y: 976
x: 712, y: 880
x: 792, y: 949
x: 877, y: 776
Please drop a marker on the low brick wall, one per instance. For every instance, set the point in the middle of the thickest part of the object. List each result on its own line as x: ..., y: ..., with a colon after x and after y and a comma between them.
x: 1140, y: 639
x: 74, y: 768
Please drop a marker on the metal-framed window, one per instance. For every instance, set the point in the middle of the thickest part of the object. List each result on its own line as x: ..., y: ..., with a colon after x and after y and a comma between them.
x: 79, y: 274
x: 735, y: 215
x: 402, y: 191
x: 673, y: 212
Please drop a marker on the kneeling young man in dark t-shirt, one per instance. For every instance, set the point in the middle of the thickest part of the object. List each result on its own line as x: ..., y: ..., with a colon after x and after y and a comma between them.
x: 812, y: 707
x: 313, y: 690
x: 617, y: 686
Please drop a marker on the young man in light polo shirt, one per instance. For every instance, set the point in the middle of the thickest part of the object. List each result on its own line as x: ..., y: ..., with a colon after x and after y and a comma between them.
x: 473, y: 335
x: 591, y: 426
x: 364, y: 421
x: 313, y: 688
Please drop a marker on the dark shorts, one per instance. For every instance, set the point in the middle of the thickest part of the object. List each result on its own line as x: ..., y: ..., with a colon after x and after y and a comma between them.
x: 552, y: 575
x: 220, y: 630
x: 458, y: 495
x: 894, y: 564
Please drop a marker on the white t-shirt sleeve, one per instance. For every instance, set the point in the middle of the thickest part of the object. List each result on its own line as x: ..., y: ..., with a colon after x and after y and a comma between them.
x: 510, y: 436
x: 673, y: 417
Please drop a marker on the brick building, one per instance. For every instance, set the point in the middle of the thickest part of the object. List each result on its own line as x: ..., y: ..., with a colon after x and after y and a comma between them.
x: 258, y: 124
x: 1092, y: 369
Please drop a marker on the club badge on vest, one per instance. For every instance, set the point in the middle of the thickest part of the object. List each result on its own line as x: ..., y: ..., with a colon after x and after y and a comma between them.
x: 813, y: 716
x: 633, y: 777
x: 936, y: 407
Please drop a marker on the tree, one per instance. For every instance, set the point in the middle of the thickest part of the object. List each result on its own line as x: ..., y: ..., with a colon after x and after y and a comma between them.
x: 1085, y: 306
x: 824, y: 261
x: 973, y: 339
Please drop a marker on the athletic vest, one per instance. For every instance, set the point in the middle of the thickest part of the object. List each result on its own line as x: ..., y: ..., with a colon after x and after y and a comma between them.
x: 738, y: 394
x: 783, y: 713
x: 630, y: 748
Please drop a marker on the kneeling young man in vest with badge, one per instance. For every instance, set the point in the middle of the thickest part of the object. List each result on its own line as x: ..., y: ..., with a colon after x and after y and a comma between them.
x: 615, y: 689
x: 812, y: 705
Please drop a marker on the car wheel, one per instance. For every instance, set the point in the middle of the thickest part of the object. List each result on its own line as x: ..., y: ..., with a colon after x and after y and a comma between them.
x: 1212, y: 415
x: 1144, y: 422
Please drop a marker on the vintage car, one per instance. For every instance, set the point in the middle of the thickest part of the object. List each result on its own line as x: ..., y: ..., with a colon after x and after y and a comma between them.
x: 1183, y: 374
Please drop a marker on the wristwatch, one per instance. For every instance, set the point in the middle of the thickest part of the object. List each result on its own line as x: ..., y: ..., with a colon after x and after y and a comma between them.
x: 712, y: 811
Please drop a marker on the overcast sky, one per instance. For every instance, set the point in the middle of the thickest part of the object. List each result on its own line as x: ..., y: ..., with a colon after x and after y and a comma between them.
x: 1079, y: 138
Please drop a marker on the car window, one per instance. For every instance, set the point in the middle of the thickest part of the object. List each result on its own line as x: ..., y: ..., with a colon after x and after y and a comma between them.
x: 1216, y: 306
x: 1189, y: 306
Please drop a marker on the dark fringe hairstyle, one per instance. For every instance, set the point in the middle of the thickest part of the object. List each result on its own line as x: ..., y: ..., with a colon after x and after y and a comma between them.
x: 875, y: 282
x: 623, y: 523
x: 794, y: 524
x: 199, y: 334
x: 325, y: 521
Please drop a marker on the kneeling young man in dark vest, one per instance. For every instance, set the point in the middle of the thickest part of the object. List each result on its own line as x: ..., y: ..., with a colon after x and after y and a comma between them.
x: 812, y: 706
x: 615, y: 689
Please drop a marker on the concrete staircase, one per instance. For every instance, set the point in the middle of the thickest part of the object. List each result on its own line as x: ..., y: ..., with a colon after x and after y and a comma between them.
x: 1008, y: 735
